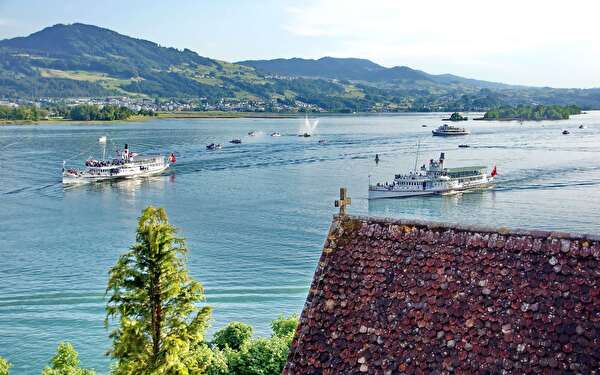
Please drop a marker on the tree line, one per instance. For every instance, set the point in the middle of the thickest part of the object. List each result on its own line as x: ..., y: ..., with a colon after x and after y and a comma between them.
x: 25, y: 113
x: 160, y: 318
x: 539, y: 112
x: 90, y: 112
x: 83, y: 112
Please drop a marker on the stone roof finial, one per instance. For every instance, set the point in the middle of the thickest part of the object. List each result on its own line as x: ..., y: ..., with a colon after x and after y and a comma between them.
x: 344, y: 201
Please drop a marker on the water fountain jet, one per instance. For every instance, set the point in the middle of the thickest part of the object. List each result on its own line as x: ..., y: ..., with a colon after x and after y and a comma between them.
x: 308, y: 128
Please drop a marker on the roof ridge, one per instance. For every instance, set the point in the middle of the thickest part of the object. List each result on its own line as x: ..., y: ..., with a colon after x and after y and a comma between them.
x: 476, y: 227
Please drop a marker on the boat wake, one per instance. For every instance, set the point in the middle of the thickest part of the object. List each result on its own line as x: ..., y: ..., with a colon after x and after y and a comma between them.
x: 538, y: 179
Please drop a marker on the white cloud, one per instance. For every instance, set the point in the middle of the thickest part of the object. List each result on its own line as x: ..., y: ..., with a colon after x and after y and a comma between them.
x: 479, y: 36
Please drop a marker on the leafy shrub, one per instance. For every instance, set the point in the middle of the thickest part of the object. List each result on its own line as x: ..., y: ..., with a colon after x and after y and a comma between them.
x: 66, y: 362
x: 234, y: 336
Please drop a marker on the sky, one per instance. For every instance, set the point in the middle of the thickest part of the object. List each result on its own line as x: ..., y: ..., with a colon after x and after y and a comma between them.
x: 529, y: 42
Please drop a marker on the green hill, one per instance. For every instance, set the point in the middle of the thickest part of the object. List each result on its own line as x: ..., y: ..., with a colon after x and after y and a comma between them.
x: 80, y: 60
x: 358, y: 70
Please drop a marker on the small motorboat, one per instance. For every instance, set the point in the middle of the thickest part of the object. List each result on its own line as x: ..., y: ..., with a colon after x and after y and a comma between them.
x: 275, y: 134
x: 376, y: 158
x: 236, y: 141
x: 463, y: 146
x: 423, y: 126
x: 581, y: 126
x: 305, y: 135
x: 565, y: 132
x: 252, y: 133
x: 102, y: 139
x: 214, y: 146
x: 322, y: 142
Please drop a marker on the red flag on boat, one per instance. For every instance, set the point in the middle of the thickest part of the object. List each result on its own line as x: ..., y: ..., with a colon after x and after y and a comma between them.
x: 494, y: 173
x: 172, y: 158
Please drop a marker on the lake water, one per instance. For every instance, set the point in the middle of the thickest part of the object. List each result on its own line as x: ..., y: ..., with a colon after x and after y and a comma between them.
x: 255, y: 215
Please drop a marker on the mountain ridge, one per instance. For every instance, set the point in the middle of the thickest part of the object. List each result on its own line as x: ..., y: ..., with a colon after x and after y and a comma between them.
x: 357, y: 69
x: 79, y: 60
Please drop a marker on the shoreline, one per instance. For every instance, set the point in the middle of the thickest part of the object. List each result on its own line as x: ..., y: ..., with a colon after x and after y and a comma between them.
x: 227, y: 115
x: 159, y: 116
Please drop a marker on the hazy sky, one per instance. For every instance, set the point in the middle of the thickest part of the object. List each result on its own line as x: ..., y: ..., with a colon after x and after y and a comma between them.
x: 543, y: 43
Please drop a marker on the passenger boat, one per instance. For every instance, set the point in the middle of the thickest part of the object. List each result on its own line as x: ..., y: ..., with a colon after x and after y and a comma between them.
x: 305, y: 135
x: 463, y: 146
x: 434, y: 179
x: 126, y: 165
x: 236, y: 141
x: 566, y: 132
x: 449, y: 130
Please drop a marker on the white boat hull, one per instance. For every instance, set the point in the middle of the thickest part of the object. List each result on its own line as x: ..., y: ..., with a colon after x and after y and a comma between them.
x: 448, y: 134
x: 69, y: 179
x: 383, y: 194
x: 375, y: 193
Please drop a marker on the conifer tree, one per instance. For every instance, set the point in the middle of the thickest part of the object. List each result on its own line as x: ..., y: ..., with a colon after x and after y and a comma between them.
x: 155, y: 304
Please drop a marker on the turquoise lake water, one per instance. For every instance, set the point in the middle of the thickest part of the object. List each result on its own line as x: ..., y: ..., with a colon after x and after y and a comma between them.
x: 255, y: 215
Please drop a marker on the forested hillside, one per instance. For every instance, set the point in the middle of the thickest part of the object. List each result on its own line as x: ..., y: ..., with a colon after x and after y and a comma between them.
x: 66, y: 61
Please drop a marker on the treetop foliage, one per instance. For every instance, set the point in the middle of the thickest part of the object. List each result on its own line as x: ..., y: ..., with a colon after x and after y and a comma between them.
x: 255, y: 356
x: 539, y: 112
x: 155, y: 302
x: 31, y: 113
x: 457, y: 117
x: 285, y: 326
x: 66, y: 362
x: 4, y: 366
x: 233, y: 336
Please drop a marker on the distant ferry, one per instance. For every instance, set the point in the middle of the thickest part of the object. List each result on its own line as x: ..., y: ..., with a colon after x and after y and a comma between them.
x: 435, y: 179
x: 127, y: 164
x: 449, y: 130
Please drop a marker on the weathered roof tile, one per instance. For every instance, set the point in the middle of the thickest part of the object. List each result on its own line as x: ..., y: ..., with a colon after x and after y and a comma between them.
x: 401, y: 297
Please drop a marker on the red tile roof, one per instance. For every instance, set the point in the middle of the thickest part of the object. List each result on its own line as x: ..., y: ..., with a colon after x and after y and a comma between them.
x: 402, y: 297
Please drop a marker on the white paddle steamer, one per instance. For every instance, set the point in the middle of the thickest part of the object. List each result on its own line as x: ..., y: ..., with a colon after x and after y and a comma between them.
x: 434, y: 179
x: 127, y: 164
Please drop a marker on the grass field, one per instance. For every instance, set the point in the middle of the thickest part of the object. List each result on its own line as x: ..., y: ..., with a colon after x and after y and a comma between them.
x: 108, y: 82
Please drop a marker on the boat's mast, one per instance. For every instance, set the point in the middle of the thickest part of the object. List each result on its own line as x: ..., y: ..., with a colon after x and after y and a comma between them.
x: 417, y: 157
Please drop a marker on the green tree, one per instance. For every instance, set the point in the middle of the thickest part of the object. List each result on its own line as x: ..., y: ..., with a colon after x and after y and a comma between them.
x: 233, y: 336
x: 154, y: 300
x: 218, y: 362
x: 285, y: 326
x: 4, y: 366
x: 456, y: 117
x: 66, y: 362
x: 261, y: 356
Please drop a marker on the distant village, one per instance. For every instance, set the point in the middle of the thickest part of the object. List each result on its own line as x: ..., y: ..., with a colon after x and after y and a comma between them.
x: 174, y: 105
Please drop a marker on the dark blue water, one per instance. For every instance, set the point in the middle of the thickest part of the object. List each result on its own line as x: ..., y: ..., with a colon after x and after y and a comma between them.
x: 255, y: 215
